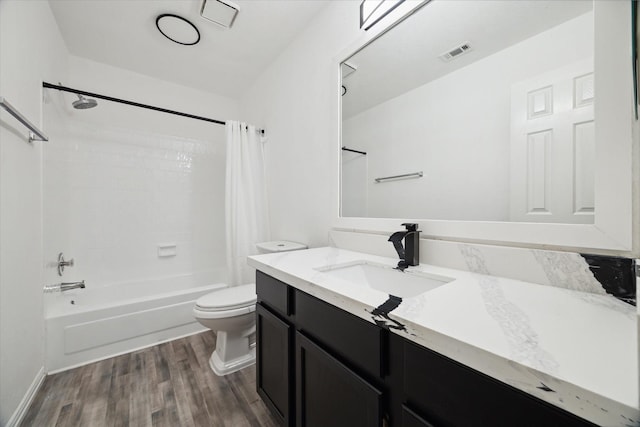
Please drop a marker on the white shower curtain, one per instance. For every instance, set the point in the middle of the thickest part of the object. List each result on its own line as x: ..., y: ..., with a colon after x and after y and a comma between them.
x: 245, y: 199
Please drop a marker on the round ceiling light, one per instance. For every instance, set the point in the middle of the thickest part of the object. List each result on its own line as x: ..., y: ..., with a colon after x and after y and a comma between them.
x: 177, y: 29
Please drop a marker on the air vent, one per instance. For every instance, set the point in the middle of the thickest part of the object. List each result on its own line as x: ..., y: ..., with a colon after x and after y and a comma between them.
x: 455, y: 52
x: 219, y: 12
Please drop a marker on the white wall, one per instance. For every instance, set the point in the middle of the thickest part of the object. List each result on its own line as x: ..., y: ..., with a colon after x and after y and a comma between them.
x: 292, y: 100
x: 26, y: 58
x: 120, y: 180
x: 354, y: 174
x: 457, y: 130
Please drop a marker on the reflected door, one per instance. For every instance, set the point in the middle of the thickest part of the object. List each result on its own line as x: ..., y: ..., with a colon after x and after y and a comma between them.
x: 553, y: 147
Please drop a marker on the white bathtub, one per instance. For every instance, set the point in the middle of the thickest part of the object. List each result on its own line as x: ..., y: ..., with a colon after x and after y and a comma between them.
x: 86, y: 325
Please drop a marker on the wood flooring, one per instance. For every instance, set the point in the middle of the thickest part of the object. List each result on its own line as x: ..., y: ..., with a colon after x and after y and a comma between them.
x: 169, y: 385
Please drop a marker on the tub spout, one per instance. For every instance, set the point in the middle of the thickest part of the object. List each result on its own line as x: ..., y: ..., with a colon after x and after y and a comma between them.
x: 71, y: 285
x: 61, y: 287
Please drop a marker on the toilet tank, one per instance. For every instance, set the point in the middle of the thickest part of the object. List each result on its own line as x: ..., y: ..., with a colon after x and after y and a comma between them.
x: 279, y: 246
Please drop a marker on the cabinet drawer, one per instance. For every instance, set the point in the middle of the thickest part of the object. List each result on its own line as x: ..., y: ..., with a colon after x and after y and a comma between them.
x: 451, y: 394
x: 352, y: 339
x: 274, y: 293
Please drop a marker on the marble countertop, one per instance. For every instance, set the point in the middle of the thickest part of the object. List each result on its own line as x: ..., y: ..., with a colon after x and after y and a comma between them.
x: 573, y: 349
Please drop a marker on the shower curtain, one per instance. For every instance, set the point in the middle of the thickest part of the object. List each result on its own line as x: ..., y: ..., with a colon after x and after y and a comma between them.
x: 245, y: 199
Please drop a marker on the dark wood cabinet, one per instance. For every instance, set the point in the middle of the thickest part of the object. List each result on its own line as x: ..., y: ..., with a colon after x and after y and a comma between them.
x: 275, y: 294
x: 328, y: 393
x: 352, y: 339
x: 411, y: 419
x: 273, y: 363
x: 321, y: 366
x: 450, y: 394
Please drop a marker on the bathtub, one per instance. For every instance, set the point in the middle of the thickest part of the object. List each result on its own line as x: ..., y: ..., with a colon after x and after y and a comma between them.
x: 86, y: 325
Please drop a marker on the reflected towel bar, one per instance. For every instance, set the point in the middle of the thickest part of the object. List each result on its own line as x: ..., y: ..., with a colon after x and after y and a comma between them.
x: 354, y: 151
x: 406, y: 175
x: 35, y: 134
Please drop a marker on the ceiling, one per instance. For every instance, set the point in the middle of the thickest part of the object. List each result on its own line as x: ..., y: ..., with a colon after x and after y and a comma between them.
x: 226, y: 61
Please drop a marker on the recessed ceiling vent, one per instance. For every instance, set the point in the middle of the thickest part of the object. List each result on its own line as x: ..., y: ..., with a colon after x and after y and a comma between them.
x: 219, y: 12
x: 455, y: 52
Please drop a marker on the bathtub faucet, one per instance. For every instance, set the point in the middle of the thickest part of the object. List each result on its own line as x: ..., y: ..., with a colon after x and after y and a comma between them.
x: 71, y: 285
x: 61, y: 287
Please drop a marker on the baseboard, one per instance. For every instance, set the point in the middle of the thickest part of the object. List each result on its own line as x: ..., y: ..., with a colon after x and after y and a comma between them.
x: 21, y: 410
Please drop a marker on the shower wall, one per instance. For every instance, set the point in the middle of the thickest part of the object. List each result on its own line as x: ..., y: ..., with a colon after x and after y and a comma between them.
x: 133, y: 194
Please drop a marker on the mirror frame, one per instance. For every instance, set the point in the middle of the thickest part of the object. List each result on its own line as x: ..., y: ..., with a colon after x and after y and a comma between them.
x: 616, y: 186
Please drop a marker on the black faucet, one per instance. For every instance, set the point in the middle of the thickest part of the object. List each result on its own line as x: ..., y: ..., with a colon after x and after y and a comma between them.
x: 410, y: 253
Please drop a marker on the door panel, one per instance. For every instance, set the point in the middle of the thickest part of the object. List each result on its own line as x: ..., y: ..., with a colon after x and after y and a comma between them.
x: 273, y: 370
x: 329, y: 393
x: 553, y: 147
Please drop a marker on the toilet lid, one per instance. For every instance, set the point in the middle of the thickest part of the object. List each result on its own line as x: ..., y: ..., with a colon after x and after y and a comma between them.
x: 228, y: 298
x: 280, y: 246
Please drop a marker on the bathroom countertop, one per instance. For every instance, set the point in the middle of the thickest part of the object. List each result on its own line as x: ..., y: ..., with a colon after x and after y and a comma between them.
x: 572, y: 349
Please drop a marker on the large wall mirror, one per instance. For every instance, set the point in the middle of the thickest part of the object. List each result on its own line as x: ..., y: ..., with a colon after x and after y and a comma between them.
x: 493, y: 112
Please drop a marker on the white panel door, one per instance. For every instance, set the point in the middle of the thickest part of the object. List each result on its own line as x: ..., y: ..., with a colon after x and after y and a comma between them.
x: 553, y: 147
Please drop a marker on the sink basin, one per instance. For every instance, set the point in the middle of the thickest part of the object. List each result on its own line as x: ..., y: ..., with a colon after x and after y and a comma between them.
x: 385, y: 278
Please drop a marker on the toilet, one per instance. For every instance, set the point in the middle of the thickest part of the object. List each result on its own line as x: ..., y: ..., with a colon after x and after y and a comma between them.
x: 230, y: 313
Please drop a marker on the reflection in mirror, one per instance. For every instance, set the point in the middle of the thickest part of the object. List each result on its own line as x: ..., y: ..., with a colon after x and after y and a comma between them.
x: 487, y: 106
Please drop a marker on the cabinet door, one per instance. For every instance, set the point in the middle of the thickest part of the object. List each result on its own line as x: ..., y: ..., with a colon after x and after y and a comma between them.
x: 273, y: 370
x: 411, y: 419
x: 329, y: 393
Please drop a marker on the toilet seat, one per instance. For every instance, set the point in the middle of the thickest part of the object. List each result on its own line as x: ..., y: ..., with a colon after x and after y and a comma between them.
x: 222, y: 314
x: 231, y: 301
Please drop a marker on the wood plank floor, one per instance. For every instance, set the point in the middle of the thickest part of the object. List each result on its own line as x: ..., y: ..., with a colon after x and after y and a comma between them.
x: 169, y: 385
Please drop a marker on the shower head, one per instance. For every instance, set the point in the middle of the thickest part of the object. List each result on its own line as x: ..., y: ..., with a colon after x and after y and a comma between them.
x: 83, y: 103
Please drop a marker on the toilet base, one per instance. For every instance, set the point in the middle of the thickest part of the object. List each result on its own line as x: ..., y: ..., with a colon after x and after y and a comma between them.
x: 221, y: 368
x: 234, y: 350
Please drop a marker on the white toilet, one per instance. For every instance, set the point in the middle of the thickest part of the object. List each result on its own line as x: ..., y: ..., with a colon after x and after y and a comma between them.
x: 230, y: 313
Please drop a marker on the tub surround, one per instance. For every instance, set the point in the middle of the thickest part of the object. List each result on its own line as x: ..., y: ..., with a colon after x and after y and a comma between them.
x: 552, y: 342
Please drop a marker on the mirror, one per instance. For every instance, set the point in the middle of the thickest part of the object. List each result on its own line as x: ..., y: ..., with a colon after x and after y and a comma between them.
x: 474, y: 111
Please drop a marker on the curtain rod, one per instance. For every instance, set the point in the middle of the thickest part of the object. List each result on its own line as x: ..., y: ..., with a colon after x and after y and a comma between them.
x: 134, y: 104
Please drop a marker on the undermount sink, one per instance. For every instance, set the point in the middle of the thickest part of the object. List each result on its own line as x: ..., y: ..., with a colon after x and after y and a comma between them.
x: 385, y: 278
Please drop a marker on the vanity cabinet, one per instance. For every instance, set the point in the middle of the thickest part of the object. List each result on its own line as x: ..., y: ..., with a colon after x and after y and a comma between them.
x: 411, y: 419
x: 274, y: 347
x: 441, y: 392
x: 328, y: 393
x: 356, y: 341
x: 273, y: 362
x: 318, y: 365
x: 335, y: 357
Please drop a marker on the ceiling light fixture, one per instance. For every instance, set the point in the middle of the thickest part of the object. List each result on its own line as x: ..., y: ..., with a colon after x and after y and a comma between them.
x: 219, y: 12
x: 178, y: 29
